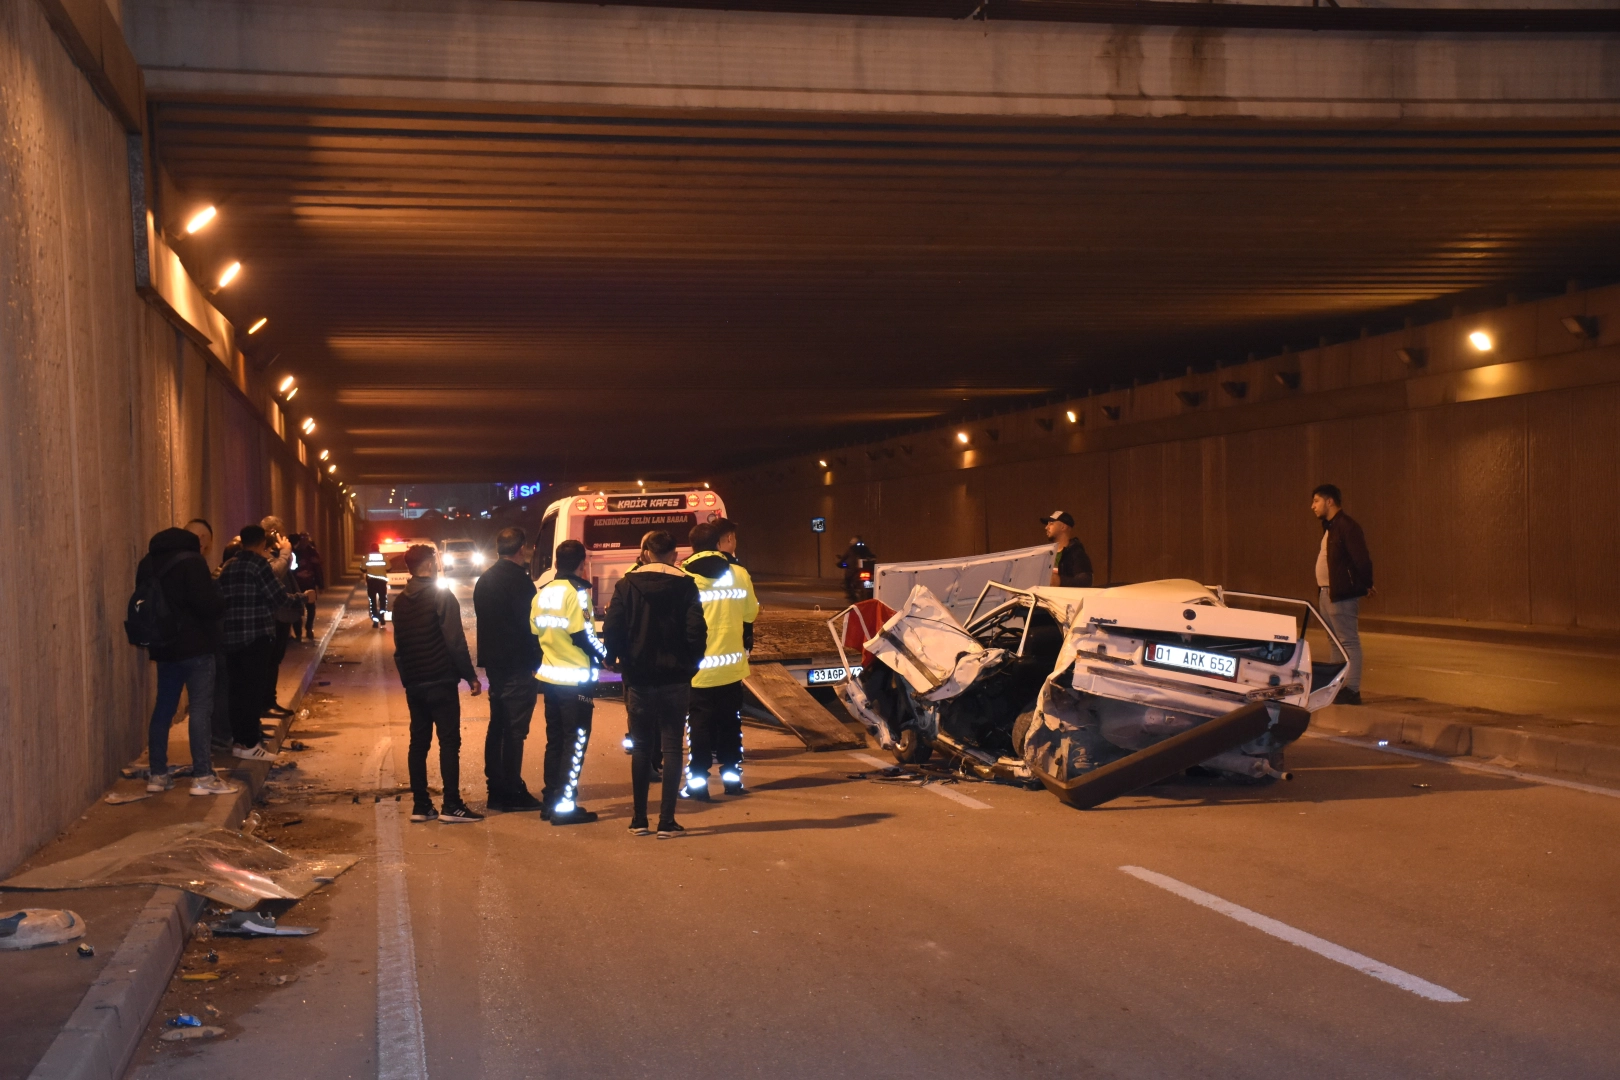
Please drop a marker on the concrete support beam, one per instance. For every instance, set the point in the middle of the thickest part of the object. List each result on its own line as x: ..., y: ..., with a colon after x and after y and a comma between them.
x: 90, y: 32
x: 573, y: 54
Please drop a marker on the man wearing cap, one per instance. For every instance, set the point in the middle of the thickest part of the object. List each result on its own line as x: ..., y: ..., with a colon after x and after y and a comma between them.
x: 1071, y: 566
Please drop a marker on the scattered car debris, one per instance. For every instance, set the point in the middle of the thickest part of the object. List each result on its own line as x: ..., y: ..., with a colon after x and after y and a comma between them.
x: 212, y: 957
x: 87, y: 950
x: 35, y: 928
x: 1091, y: 692
x: 184, y: 1020
x: 119, y: 798
x: 295, y: 745
x: 201, y: 976
x: 281, y: 980
x: 191, y: 1034
x: 257, y: 924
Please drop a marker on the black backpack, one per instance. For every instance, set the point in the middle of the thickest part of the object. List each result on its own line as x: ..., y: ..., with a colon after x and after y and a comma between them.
x: 152, y: 624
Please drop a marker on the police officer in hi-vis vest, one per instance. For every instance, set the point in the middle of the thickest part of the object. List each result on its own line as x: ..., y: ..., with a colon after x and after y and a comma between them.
x: 729, y: 609
x: 570, y: 657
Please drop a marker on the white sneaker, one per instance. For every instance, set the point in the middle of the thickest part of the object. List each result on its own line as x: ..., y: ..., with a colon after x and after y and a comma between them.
x: 156, y: 784
x: 252, y: 753
x: 213, y: 785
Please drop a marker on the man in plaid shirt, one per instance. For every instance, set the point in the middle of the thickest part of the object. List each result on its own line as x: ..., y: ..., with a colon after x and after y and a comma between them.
x: 253, y: 596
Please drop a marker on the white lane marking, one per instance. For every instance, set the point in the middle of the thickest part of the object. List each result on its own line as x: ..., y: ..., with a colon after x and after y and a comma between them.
x: 938, y: 789
x: 1472, y: 766
x: 1320, y: 946
x: 1484, y: 675
x: 401, y: 1049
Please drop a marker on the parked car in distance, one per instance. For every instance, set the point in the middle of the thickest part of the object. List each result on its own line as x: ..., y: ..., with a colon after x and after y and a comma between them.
x: 461, y: 556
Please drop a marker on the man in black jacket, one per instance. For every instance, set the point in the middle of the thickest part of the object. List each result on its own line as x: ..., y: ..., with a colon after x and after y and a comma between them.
x: 509, y: 655
x: 1344, y: 574
x: 430, y: 652
x: 186, y: 659
x: 656, y: 634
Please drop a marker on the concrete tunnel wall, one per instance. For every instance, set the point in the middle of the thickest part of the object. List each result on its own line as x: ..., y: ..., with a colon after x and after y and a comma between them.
x: 116, y: 425
x: 1485, y: 482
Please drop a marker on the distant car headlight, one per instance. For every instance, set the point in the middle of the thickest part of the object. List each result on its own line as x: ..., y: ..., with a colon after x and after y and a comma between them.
x: 478, y: 558
x: 446, y: 583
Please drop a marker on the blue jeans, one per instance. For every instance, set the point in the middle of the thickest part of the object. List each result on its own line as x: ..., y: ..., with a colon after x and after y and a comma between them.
x: 197, y: 676
x: 1341, y: 615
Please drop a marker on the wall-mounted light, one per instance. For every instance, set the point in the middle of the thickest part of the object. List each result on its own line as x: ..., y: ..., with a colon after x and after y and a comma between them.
x: 308, y: 426
x: 1581, y: 326
x: 325, y: 454
x: 230, y: 274
x: 962, y: 437
x: 1236, y: 389
x: 256, y: 327
x: 285, y: 384
x: 1481, y: 341
x: 819, y: 461
x: 331, y: 468
x: 1412, y: 357
x: 292, y: 393
x: 1072, y: 416
x: 1288, y: 380
x: 1190, y: 398
x: 200, y: 220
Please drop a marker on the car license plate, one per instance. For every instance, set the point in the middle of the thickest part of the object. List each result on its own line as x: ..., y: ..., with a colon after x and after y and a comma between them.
x: 823, y: 675
x: 1215, y: 665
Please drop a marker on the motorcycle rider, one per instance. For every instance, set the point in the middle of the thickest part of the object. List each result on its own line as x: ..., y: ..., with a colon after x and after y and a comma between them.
x: 729, y: 609
x: 856, y: 558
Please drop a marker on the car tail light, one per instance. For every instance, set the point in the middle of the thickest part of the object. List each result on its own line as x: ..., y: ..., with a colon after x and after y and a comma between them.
x: 866, y: 575
x: 601, y: 503
x: 582, y: 504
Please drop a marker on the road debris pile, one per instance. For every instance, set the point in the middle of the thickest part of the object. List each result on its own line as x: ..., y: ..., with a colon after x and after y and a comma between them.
x: 1091, y: 692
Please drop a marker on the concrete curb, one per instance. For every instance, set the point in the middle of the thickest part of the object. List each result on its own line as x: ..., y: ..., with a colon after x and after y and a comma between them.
x: 104, y: 1032
x: 1452, y: 738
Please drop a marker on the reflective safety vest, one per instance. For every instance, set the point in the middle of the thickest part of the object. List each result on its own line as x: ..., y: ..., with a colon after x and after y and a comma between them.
x: 560, y: 610
x: 728, y: 602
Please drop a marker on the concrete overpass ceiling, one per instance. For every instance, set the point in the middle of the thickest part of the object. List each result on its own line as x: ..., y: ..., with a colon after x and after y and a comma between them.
x: 483, y: 292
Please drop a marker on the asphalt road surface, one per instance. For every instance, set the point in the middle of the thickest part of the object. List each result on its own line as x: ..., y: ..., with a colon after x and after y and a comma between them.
x: 1378, y: 916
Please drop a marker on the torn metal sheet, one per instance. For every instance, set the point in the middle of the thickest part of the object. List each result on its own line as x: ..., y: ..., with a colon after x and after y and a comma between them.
x: 957, y: 582
x: 227, y: 867
x: 928, y: 647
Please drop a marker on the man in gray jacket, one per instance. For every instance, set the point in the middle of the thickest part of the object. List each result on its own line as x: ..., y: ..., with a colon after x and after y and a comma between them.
x: 430, y: 651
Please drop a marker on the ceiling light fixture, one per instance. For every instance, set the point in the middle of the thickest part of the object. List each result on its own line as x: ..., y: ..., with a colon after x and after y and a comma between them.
x: 230, y: 274
x: 309, y: 426
x: 325, y: 454
x: 199, y: 221
x: 286, y: 384
x: 292, y: 393
x: 1481, y: 341
x: 331, y: 468
x: 822, y: 462
x: 962, y: 437
x: 1072, y: 416
x: 256, y: 327
x: 1581, y: 326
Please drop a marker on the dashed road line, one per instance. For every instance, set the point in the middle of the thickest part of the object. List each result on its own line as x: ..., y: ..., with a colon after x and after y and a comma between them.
x: 942, y: 790
x: 1282, y: 931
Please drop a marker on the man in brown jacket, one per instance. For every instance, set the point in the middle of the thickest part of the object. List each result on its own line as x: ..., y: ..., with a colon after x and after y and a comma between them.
x: 1344, y: 574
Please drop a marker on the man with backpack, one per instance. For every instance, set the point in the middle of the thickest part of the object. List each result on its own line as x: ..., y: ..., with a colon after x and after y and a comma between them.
x: 175, y: 613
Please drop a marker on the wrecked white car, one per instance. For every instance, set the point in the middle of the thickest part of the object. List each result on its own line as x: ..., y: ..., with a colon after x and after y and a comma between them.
x: 1092, y: 692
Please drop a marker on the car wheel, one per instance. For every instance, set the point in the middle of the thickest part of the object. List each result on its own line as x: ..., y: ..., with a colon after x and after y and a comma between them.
x: 912, y: 747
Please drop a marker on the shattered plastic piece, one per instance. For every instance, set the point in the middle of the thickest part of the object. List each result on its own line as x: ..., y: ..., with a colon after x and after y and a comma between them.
x: 257, y: 924
x: 87, y: 950
x: 191, y: 1034
x: 212, y: 957
x: 119, y: 798
x: 231, y: 869
x: 281, y: 980
x: 205, y: 976
x: 185, y: 1020
x: 35, y: 928
x: 296, y: 745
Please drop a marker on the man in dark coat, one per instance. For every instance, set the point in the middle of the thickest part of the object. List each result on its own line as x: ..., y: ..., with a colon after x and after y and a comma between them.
x: 185, y: 659
x: 1344, y: 574
x: 509, y: 655
x: 430, y: 652
x: 655, y: 632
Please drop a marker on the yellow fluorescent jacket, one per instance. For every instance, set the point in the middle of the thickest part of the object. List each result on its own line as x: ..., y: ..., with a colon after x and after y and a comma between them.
x: 728, y: 602
x: 557, y: 614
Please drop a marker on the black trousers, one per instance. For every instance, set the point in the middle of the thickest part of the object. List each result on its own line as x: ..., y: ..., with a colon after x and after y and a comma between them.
x: 568, y: 717
x: 273, y: 664
x: 716, y: 719
x: 436, y: 706
x: 376, y: 598
x: 512, y: 695
x: 248, y: 667
x: 657, y: 722
x: 309, y: 620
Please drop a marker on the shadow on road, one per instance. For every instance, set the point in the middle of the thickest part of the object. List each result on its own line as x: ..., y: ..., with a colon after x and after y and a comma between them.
x: 848, y: 821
